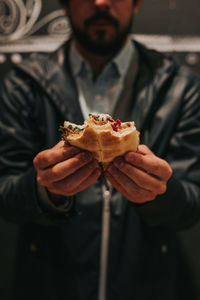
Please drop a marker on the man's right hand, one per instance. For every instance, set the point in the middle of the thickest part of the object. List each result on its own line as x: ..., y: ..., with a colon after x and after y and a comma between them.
x: 66, y: 170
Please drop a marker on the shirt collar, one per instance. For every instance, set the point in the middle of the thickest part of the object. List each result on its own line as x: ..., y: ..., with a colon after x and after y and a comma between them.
x: 120, y: 62
x: 78, y: 63
x: 123, y: 58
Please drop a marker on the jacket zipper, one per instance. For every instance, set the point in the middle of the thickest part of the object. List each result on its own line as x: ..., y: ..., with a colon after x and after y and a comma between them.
x: 106, y: 191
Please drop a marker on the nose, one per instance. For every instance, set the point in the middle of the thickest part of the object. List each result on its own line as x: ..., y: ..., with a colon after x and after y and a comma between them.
x: 102, y: 4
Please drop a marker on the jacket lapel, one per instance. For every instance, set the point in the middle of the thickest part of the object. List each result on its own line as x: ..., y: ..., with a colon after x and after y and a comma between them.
x: 152, y: 77
x: 57, y: 82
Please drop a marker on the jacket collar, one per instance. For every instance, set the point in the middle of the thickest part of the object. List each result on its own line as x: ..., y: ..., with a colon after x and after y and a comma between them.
x: 53, y: 75
x: 120, y: 62
x: 154, y: 71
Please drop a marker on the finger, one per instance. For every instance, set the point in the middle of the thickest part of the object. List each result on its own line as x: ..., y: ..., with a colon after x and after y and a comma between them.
x: 140, y: 177
x: 132, y: 189
x: 150, y: 163
x: 65, y: 168
x: 71, y: 184
x: 135, y: 196
x: 116, y: 185
x: 90, y: 180
x: 59, y: 145
x: 143, y: 149
x: 53, y: 156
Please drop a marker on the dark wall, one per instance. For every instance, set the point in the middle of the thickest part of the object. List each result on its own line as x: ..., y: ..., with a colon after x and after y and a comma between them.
x: 174, y: 17
x: 168, y: 25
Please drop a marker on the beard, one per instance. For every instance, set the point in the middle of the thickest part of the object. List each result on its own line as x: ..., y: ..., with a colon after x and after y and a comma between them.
x: 100, y: 45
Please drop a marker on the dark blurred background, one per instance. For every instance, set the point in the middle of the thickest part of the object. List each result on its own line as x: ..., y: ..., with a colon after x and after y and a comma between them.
x: 171, y: 26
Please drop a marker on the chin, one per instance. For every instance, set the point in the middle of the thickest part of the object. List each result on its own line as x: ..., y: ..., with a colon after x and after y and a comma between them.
x: 104, y: 47
x: 101, y: 42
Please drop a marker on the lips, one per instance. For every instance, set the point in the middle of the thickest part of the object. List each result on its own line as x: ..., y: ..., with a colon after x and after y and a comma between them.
x: 102, y: 22
x: 102, y: 19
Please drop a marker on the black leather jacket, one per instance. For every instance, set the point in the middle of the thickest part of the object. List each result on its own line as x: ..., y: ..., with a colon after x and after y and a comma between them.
x: 35, y: 99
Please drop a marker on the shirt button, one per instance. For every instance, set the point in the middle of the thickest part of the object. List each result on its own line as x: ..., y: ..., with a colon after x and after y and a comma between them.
x: 164, y: 249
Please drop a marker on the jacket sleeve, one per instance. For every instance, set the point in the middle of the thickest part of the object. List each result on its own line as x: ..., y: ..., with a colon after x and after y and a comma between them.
x: 179, y: 207
x: 20, y: 200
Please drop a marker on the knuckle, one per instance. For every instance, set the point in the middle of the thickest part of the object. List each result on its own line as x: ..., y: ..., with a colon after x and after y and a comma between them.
x: 162, y: 188
x: 45, y: 160
x: 39, y: 180
x: 151, y: 197
x: 41, y: 160
x: 54, y: 172
x: 154, y: 168
x: 139, y: 159
x: 35, y: 161
x: 167, y: 169
x: 169, y: 173
x: 144, y: 149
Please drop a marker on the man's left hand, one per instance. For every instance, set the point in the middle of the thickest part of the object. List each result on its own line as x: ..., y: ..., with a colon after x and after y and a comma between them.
x: 139, y: 176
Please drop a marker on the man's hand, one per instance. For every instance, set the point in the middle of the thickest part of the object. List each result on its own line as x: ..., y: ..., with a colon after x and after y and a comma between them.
x: 139, y: 176
x: 66, y: 170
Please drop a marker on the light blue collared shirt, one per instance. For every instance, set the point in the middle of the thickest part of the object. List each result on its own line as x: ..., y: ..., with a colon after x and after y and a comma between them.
x: 100, y: 96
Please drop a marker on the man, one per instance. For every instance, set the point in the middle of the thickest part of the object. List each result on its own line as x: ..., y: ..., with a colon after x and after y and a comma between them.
x: 84, y: 234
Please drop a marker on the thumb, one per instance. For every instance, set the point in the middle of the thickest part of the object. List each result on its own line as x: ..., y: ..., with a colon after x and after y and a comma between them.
x: 143, y: 149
